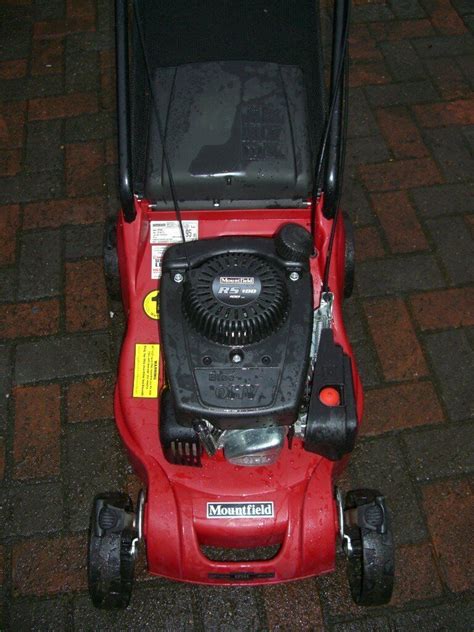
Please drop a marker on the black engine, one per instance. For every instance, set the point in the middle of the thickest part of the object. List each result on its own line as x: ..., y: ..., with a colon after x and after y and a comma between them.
x: 236, y: 321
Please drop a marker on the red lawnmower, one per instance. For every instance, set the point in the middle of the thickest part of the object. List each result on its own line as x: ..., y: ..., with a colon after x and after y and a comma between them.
x: 238, y: 397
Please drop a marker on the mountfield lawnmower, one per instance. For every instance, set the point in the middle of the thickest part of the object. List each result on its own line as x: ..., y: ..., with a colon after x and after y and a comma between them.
x: 238, y: 397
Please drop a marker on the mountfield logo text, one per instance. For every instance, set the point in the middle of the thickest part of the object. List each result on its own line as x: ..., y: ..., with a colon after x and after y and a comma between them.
x: 254, y: 510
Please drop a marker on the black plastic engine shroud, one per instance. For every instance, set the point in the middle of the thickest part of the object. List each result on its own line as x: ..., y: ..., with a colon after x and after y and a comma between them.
x: 236, y: 332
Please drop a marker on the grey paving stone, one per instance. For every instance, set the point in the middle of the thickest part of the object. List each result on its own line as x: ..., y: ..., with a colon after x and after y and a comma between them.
x: 40, y: 264
x: 404, y: 63
x: 15, y: 33
x: 398, y: 274
x: 34, y: 508
x: 95, y: 41
x: 455, y: 246
x: 372, y: 624
x: 446, y: 199
x: 166, y: 607
x: 361, y: 118
x: 365, y: 356
x: 229, y: 608
x: 379, y: 464
x: 354, y: 202
x: 447, y: 46
x: 7, y: 284
x: 452, y: 617
x: 441, y: 451
x: 407, y: 9
x: 32, y: 87
x: 365, y: 151
x: 47, y: 615
x: 81, y: 71
x: 5, y: 384
x: 463, y: 6
x: 452, y: 153
x: 84, y: 241
x: 371, y: 13
x: 43, y: 146
x: 468, y: 133
x: 405, y: 93
x: 96, y: 463
x: 49, y: 10
x: 90, y: 127
x: 452, y: 358
x: 62, y: 356
x: 29, y: 187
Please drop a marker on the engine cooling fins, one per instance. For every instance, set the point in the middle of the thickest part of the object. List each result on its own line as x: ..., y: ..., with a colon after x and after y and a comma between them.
x: 236, y: 298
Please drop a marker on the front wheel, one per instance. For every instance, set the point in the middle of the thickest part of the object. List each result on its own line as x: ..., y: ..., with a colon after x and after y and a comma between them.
x: 369, y: 547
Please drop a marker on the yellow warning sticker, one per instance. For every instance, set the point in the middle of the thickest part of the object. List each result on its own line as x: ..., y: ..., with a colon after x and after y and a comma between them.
x: 146, y: 371
x: 151, y: 304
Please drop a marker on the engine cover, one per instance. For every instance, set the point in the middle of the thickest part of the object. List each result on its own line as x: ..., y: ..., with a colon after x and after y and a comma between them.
x: 236, y: 329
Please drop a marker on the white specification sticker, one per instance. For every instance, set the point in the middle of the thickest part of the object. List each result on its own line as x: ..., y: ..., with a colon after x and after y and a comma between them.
x: 156, y: 257
x: 170, y: 233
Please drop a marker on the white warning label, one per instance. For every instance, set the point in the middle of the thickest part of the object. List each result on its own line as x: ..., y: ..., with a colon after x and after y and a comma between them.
x: 168, y: 232
x: 156, y: 257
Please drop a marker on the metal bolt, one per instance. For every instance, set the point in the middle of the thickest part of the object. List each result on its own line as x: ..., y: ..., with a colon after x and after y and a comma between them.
x: 294, y: 276
x: 178, y: 277
x: 236, y: 358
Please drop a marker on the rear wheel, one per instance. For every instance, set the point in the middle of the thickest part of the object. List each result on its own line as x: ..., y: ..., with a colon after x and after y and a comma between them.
x: 111, y: 554
x: 371, y: 552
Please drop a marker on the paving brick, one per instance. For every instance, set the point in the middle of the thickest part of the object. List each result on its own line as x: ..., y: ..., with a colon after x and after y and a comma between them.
x: 42, y: 134
x: 166, y: 606
x: 62, y: 106
x: 27, y: 187
x: 12, y: 121
x: 234, y: 607
x: 47, y: 614
x: 336, y: 600
x: 296, y: 602
x: 449, y: 149
x: 54, y: 213
x: 90, y: 400
x: 10, y: 162
x: 40, y: 265
x: 84, y: 241
x: 47, y: 566
x: 379, y: 464
x: 398, y: 274
x: 371, y: 13
x: 417, y: 575
x: 401, y: 174
x: 13, y: 69
x: 47, y: 57
x: 444, y: 46
x: 5, y: 384
x: 458, y: 112
x: 441, y: 451
x: 361, y: 119
x: 369, y: 73
x: 463, y: 7
x: 354, y: 201
x: 29, y: 319
x: 2, y: 460
x: 362, y: 46
x: 449, y: 616
x: 368, y: 244
x: 52, y: 29
x: 444, y: 309
x: 62, y: 356
x: 96, y: 463
x: 448, y: 77
x: 452, y: 538
x: 2, y: 565
x: 405, y: 93
x: 454, y: 246
x: 83, y: 168
x: 365, y: 151
x: 448, y: 199
x: 35, y: 508
x: 86, y: 296
x: 399, y: 222
x: 36, y: 446
x: 9, y: 224
x: 400, y: 132
x: 98, y: 126
x: 401, y: 58
x: 33, y: 87
x: 453, y: 362
x: 400, y: 406
x: 401, y: 29
x: 407, y: 9
x: 7, y: 284
x: 397, y: 346
x: 446, y: 20
x: 367, y: 362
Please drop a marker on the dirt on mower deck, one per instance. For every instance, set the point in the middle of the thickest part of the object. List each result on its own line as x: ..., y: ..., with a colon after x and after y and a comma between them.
x: 408, y: 188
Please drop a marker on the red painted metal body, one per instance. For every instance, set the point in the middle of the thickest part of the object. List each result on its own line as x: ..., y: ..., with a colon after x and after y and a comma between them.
x: 300, y: 484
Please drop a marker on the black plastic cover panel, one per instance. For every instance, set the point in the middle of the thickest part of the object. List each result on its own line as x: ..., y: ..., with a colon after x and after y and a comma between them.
x: 235, y: 131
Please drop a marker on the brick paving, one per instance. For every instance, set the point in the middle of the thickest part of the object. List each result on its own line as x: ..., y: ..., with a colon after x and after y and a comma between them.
x: 409, y: 184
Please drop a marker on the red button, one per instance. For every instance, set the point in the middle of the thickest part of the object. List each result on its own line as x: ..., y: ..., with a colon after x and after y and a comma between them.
x: 330, y: 396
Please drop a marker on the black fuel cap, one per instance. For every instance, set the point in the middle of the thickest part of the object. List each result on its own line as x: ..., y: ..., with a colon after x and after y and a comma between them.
x: 294, y: 243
